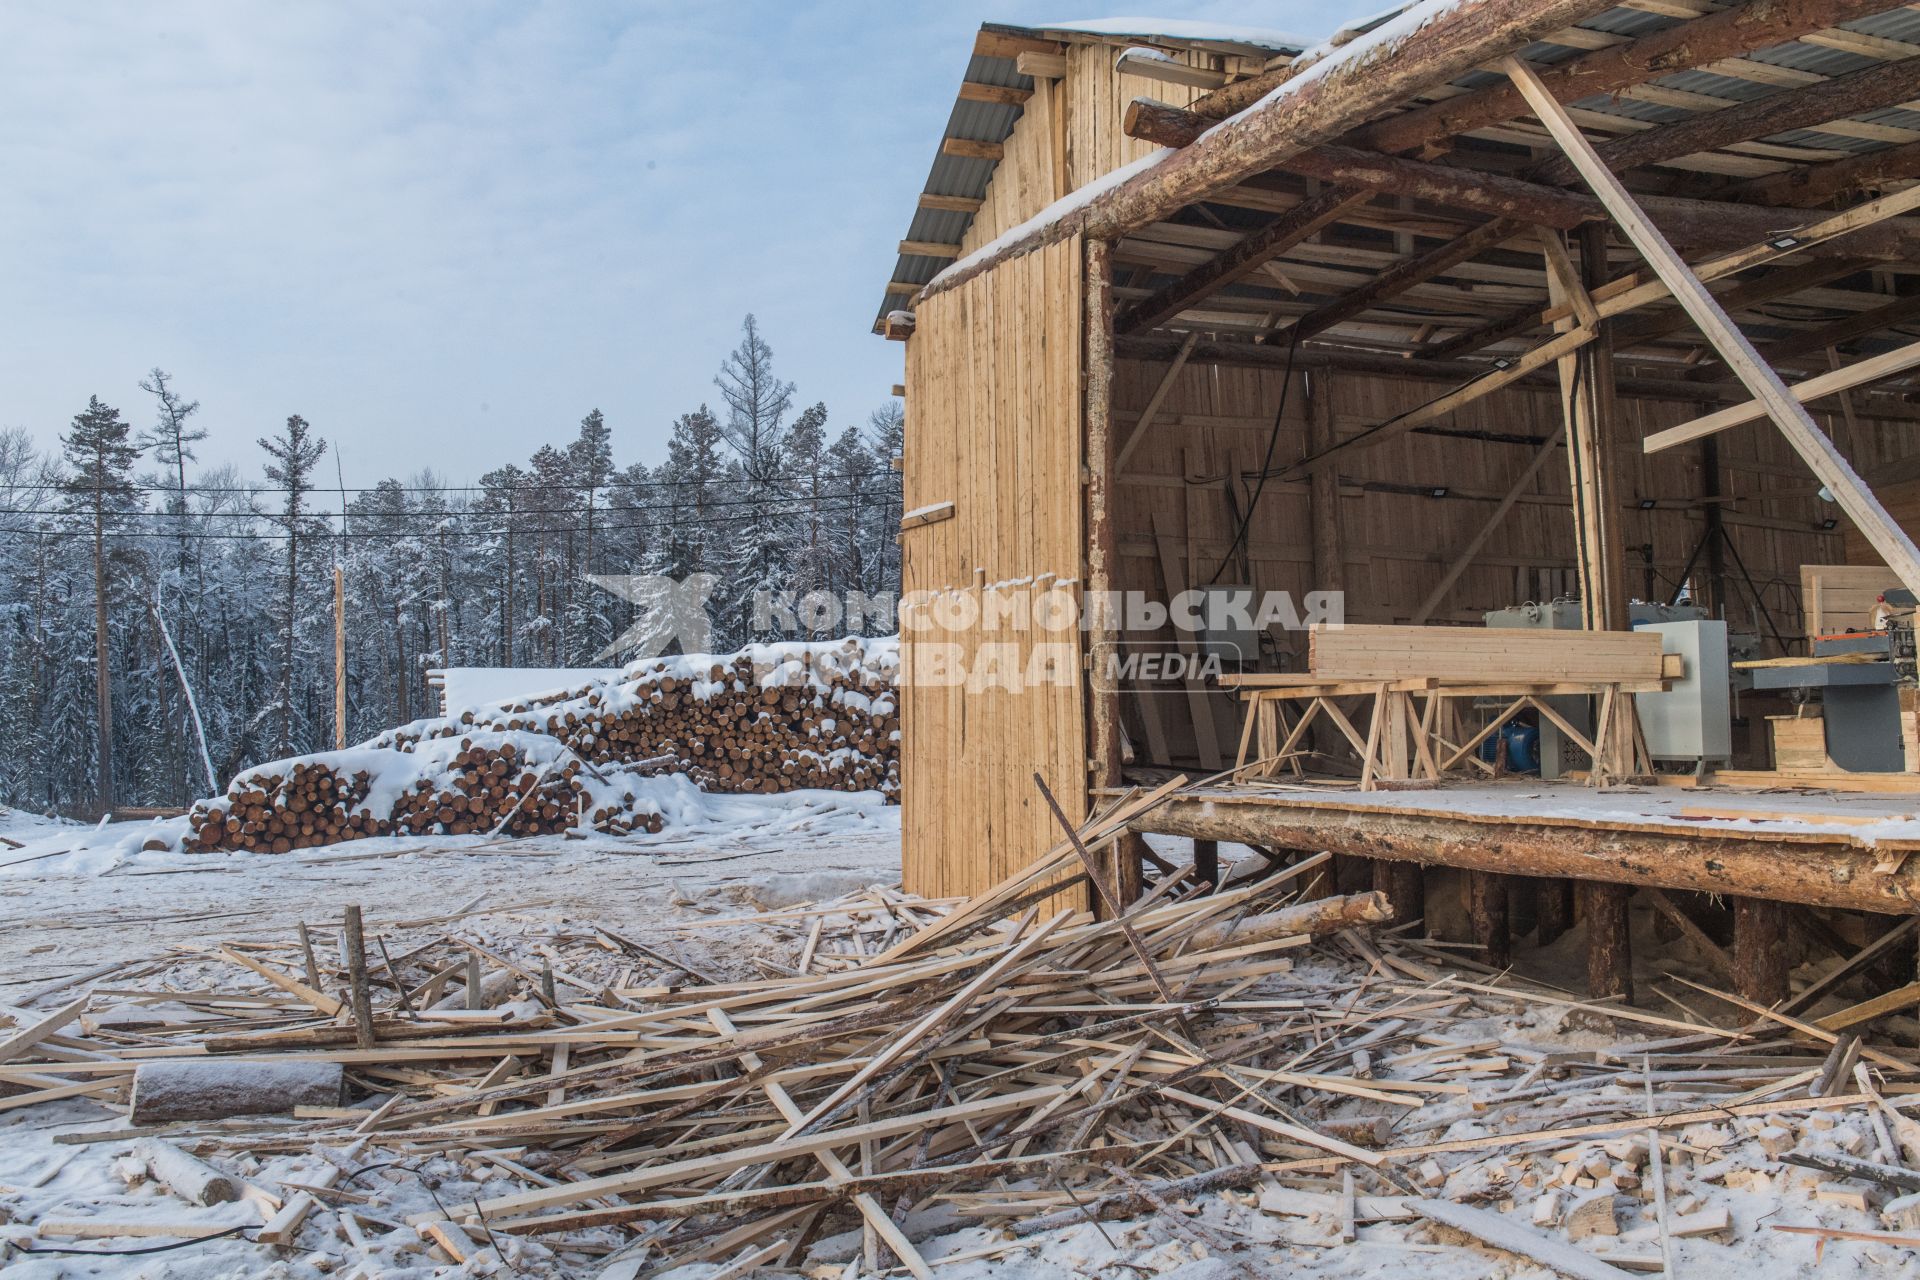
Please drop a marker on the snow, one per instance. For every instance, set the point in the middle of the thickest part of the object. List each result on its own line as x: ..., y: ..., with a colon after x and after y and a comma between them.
x: 743, y: 855
x: 468, y: 687
x: 1184, y: 29
x: 1058, y: 211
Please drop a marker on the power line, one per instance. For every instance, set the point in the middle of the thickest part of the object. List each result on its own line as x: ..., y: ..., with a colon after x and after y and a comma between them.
x: 168, y: 535
x: 468, y: 512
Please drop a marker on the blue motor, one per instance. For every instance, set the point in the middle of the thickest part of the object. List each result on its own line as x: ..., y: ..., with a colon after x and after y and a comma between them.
x: 1523, y: 747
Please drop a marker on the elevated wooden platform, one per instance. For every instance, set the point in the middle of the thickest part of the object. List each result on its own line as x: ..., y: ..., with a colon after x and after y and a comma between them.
x: 1823, y: 849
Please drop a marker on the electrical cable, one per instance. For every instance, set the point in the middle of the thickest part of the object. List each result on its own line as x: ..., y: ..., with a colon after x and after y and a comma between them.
x: 1266, y: 463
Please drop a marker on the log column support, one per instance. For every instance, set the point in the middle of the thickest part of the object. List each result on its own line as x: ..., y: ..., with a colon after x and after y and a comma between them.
x: 1760, y: 950
x: 1603, y: 911
x: 1329, y: 553
x: 1103, y: 690
x: 1405, y: 884
x: 1487, y: 908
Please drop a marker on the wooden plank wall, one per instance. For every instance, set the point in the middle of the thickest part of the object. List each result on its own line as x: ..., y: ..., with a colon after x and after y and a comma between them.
x: 1069, y: 135
x: 1217, y: 421
x: 995, y: 427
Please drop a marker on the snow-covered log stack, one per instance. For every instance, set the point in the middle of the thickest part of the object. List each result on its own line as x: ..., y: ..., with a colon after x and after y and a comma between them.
x: 517, y: 783
x: 770, y: 718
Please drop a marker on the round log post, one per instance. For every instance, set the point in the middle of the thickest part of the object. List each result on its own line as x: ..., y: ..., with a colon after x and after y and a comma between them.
x: 1759, y: 949
x: 1487, y: 907
x: 1603, y: 910
x: 1553, y: 912
x: 1405, y: 885
x: 1206, y: 862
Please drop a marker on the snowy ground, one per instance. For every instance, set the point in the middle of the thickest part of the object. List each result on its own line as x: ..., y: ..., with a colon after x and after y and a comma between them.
x: 74, y: 898
x: 74, y: 901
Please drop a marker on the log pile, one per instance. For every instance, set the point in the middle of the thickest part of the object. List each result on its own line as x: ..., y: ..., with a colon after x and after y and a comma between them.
x: 1026, y: 1068
x: 480, y: 784
x: 769, y: 719
x: 275, y: 812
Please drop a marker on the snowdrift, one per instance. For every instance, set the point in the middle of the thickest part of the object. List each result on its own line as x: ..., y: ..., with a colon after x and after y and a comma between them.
x: 770, y: 718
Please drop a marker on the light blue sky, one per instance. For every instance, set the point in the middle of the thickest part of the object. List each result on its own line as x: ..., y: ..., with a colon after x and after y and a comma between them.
x: 444, y: 231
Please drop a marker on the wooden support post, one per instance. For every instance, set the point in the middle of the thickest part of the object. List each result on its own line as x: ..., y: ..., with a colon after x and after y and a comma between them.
x: 1328, y: 537
x: 1405, y: 885
x: 1886, y: 536
x: 1760, y: 950
x: 1206, y: 861
x: 1103, y: 686
x: 1487, y: 907
x: 1603, y: 911
x: 359, y: 992
x: 1553, y: 910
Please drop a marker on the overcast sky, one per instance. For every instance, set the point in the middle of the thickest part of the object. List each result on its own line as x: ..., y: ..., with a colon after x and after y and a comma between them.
x: 444, y: 231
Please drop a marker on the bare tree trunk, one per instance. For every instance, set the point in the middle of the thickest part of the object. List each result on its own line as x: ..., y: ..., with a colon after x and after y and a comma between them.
x: 286, y: 648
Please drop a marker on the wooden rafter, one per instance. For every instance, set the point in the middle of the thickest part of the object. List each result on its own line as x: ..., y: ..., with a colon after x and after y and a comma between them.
x: 1892, y: 542
x: 1696, y: 43
x: 1807, y: 237
x: 1804, y: 186
x: 1249, y: 255
x: 1845, y: 378
x: 1781, y: 283
x: 1899, y: 311
x: 1348, y: 92
x: 1881, y: 85
x: 1404, y: 275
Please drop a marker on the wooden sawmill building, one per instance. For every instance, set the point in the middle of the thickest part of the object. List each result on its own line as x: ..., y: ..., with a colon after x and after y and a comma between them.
x: 1483, y: 303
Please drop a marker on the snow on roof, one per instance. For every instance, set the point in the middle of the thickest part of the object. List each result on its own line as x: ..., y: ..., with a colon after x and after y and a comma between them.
x: 1390, y: 29
x: 1185, y: 29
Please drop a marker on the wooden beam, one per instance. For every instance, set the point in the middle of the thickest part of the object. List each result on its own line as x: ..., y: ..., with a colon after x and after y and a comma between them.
x: 1780, y: 283
x: 1154, y: 402
x: 1243, y: 259
x: 1881, y: 85
x: 1698, y: 42
x: 970, y: 149
x: 1042, y: 66
x: 1631, y: 292
x: 1843, y: 379
x: 950, y: 204
x: 1892, y: 542
x: 1134, y: 62
x: 1806, y: 185
x: 1404, y: 275
x: 928, y: 249
x: 1835, y: 874
x: 1471, y: 551
x: 1897, y: 312
x: 994, y: 41
x: 1355, y: 85
x: 1000, y: 95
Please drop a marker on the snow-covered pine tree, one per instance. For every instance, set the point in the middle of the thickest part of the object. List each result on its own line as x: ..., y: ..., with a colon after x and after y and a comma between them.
x: 590, y: 462
x: 887, y: 429
x: 291, y: 457
x: 100, y: 496
x: 761, y: 525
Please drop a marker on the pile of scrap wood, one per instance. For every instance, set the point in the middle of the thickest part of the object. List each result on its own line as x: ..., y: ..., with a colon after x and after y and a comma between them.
x: 914, y: 1068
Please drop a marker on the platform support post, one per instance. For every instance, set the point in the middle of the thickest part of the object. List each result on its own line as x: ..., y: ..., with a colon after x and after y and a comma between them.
x: 1405, y: 885
x: 1603, y: 910
x: 1487, y: 908
x: 1759, y: 950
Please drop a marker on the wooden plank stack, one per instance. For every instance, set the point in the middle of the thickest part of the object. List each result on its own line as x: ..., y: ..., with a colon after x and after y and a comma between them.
x: 1495, y: 655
